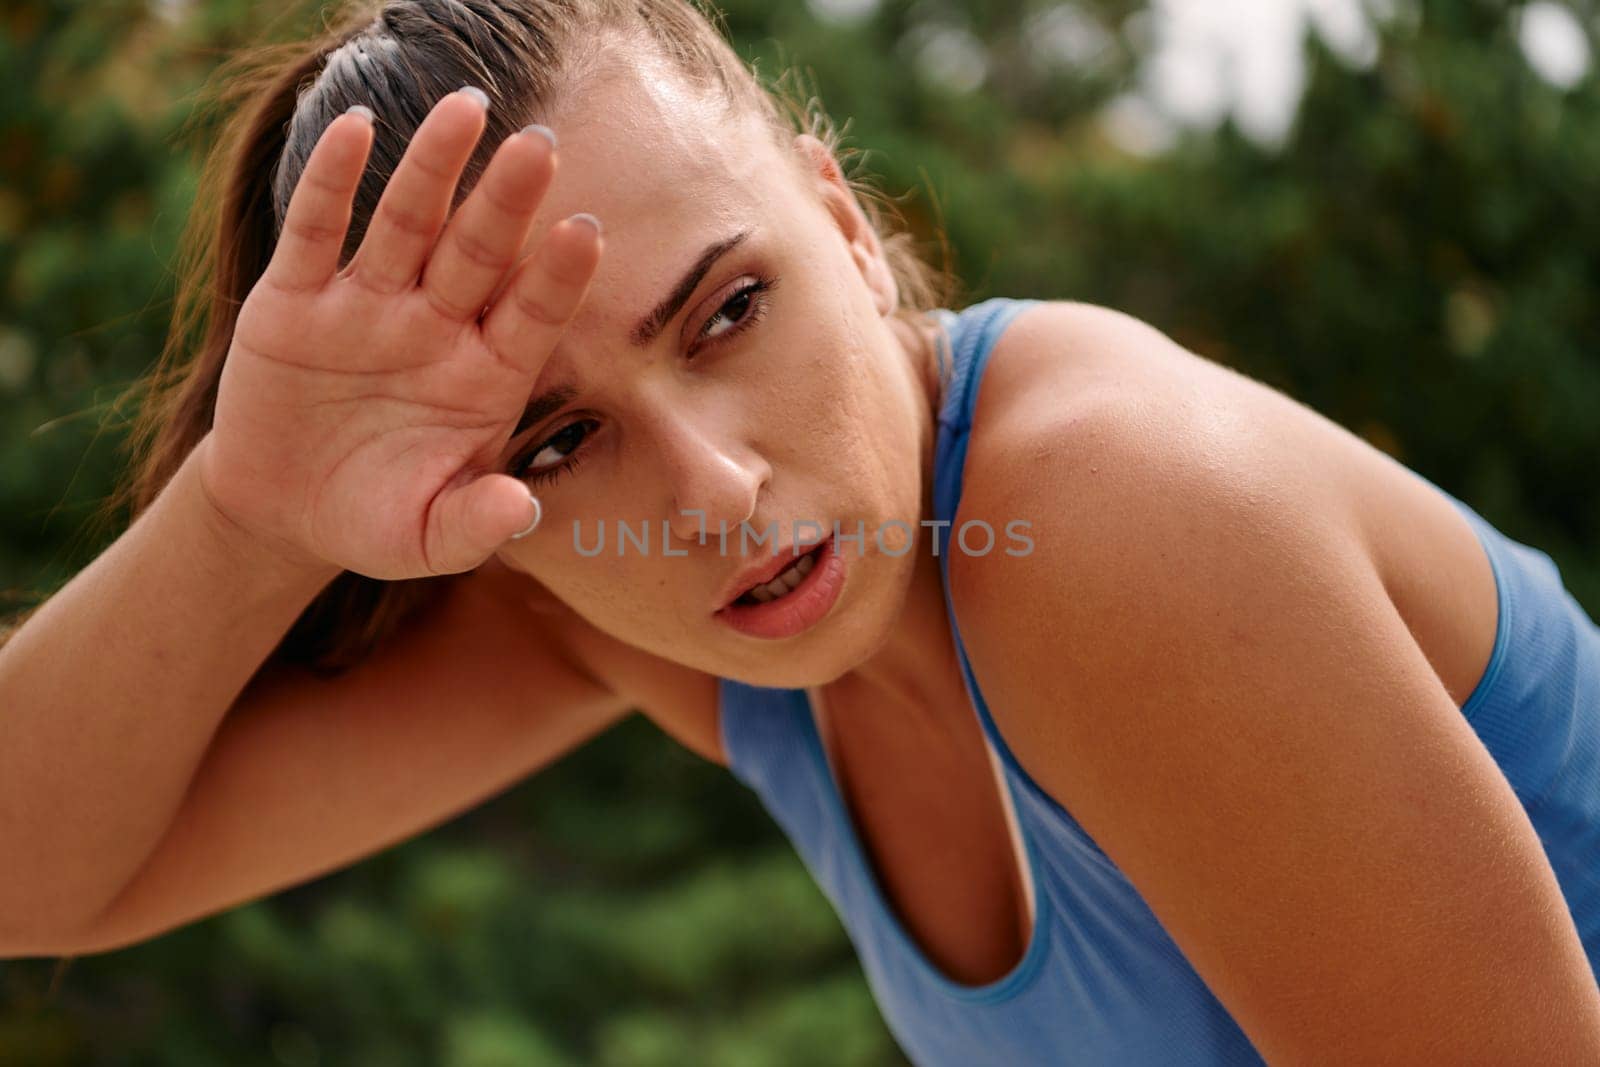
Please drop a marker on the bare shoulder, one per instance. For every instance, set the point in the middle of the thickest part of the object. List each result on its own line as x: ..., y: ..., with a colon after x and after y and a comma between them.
x: 1110, y: 434
x: 1203, y: 660
x: 1101, y: 423
x: 1143, y: 491
x: 680, y: 700
x: 1060, y: 362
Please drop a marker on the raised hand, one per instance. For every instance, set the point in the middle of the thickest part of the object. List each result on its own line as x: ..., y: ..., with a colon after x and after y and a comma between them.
x: 359, y: 409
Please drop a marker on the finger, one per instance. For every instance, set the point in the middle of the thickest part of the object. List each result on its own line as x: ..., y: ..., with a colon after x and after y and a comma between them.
x: 528, y: 317
x: 417, y: 197
x: 485, y: 236
x: 467, y: 523
x: 318, y: 216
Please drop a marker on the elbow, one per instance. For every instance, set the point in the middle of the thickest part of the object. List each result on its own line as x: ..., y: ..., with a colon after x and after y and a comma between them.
x: 29, y: 928
x: 81, y: 939
x: 37, y: 929
x: 36, y: 940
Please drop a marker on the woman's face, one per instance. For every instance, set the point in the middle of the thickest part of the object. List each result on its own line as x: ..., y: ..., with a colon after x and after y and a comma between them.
x: 779, y: 393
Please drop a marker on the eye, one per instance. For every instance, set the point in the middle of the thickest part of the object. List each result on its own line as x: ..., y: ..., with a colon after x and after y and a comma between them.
x: 553, y: 456
x: 743, y: 309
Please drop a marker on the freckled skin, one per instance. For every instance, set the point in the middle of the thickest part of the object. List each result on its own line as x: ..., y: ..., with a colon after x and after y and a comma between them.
x: 822, y: 410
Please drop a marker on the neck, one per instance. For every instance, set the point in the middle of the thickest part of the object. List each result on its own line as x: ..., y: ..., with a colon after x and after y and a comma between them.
x: 915, y: 669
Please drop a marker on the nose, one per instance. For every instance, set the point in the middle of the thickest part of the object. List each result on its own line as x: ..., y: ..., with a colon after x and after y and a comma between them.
x: 713, y: 478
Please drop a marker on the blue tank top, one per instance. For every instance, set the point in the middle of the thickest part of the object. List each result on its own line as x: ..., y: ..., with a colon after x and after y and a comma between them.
x: 1100, y: 982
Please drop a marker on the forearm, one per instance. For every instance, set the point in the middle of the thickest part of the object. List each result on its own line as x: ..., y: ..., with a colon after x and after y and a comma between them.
x: 111, y: 691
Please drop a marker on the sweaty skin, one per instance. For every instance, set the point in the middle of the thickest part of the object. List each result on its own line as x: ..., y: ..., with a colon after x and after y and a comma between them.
x: 807, y: 400
x: 820, y: 410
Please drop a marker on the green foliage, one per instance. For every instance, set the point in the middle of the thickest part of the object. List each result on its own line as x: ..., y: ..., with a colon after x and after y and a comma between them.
x: 1416, y: 261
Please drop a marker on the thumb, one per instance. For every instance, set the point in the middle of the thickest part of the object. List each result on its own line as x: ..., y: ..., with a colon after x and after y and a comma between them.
x: 468, y: 522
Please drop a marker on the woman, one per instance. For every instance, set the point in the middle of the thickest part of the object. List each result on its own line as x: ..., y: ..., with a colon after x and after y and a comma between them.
x: 1127, y: 710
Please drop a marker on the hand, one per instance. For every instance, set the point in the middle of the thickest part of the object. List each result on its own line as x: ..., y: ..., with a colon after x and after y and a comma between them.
x: 359, y: 410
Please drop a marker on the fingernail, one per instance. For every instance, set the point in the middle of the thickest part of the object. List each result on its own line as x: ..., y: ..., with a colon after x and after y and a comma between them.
x: 538, y: 513
x: 544, y: 131
x: 584, y: 216
x: 477, y: 94
x: 360, y: 109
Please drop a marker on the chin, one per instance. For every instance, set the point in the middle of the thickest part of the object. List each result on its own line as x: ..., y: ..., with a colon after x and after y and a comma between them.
x: 802, y: 671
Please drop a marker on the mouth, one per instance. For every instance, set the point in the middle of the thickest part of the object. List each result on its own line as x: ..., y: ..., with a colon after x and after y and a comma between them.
x: 784, y: 582
x: 792, y: 601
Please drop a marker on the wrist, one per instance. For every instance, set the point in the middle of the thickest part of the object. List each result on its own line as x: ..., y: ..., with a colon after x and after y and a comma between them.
x: 278, y: 559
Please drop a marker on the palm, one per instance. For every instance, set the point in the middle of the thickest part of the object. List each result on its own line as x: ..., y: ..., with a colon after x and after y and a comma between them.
x: 360, y: 416
x: 356, y: 409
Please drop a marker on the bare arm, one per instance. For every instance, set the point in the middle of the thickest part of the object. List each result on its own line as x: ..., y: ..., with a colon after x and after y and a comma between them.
x: 1228, y: 700
x: 112, y: 690
x: 306, y: 774
x: 360, y: 419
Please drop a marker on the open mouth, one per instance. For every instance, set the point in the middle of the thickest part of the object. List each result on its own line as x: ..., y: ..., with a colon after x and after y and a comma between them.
x: 799, y: 597
x: 785, y: 583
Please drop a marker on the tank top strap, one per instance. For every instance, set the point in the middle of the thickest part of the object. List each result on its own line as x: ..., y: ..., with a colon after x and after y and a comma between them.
x: 761, y: 729
x: 971, y: 341
x: 967, y: 339
x: 767, y: 733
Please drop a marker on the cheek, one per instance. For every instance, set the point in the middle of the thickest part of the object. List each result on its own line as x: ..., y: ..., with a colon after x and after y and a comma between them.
x: 625, y: 596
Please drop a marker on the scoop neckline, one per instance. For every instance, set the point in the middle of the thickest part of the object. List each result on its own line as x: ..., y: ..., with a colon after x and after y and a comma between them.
x: 1007, y: 984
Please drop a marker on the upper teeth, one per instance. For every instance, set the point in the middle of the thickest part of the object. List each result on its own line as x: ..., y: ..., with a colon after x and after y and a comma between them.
x: 784, y: 582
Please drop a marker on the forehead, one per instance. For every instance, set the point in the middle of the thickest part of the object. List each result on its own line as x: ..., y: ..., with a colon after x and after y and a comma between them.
x: 668, y: 169
x: 663, y: 164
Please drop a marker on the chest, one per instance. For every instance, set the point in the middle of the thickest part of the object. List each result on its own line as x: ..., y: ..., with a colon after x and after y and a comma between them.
x: 930, y: 813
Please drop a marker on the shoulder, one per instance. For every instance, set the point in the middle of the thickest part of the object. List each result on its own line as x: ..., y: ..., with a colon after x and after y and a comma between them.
x: 1079, y: 383
x: 1177, y: 539
x: 1121, y: 449
x: 1199, y: 660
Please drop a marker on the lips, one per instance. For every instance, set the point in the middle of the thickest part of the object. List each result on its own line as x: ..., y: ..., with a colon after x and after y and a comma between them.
x: 764, y: 570
x: 798, y: 610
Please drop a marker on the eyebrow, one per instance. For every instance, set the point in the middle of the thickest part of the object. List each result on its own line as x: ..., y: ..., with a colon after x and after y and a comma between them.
x: 648, y: 329
x: 652, y: 324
